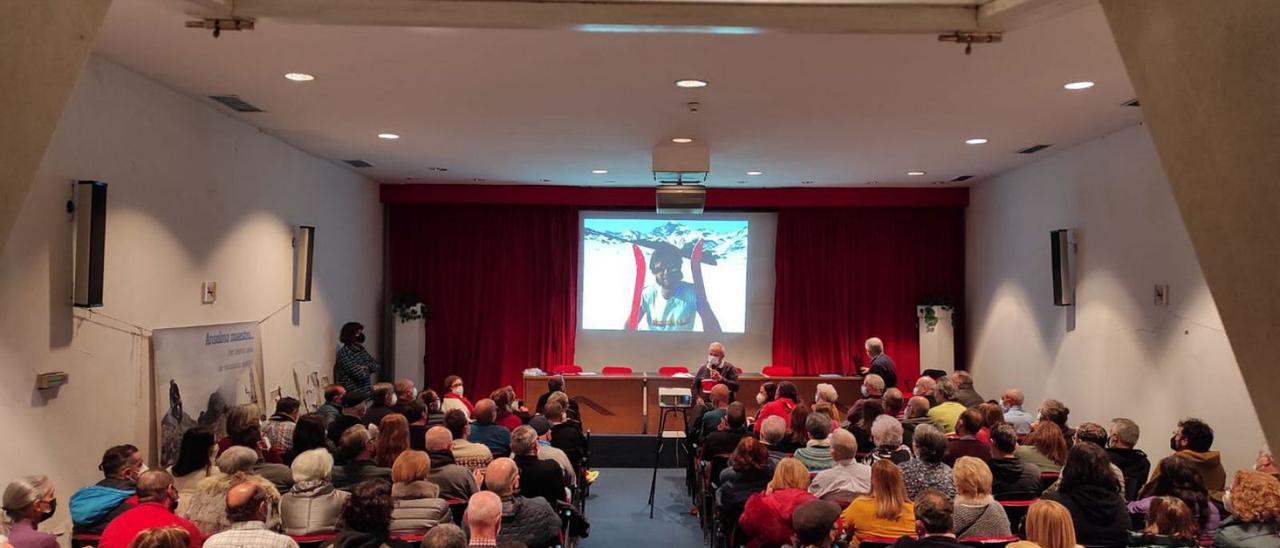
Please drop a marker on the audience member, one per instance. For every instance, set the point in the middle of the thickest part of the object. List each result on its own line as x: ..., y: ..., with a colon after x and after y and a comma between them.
x: 194, y: 464
x: 531, y: 521
x: 27, y: 502
x: 885, y: 512
x: 860, y: 426
x: 881, y: 364
x: 992, y: 416
x: 566, y: 435
x: 406, y: 392
x: 830, y: 411
x: 366, y: 520
x: 244, y: 429
x: 542, y: 428
x: 716, y: 368
x: 353, y: 365
x: 1177, y: 477
x: 966, y: 443
x: 1090, y: 492
x: 773, y: 433
x: 247, y: 508
x: 1048, y: 525
x: 331, y: 409
x: 1056, y: 412
x: 847, y: 478
x: 1254, y: 503
x: 1011, y: 477
x: 353, y: 406
x: 508, y: 415
x: 313, y: 505
x: 431, y: 400
x: 768, y: 392
x: 749, y: 471
x: 455, y: 482
x: 309, y: 433
x: 965, y: 394
x: 826, y: 393
x: 393, y: 439
x: 916, y: 413
x: 926, y: 470
x: 1191, y: 440
x: 766, y: 517
x: 538, y: 477
x: 787, y: 400
x: 945, y: 414
x: 208, y: 505
x: 416, y: 414
x: 797, y: 434
x: 1133, y: 463
x: 724, y: 440
x: 1169, y: 523
x: 357, y: 452
x: 94, y: 506
x: 886, y: 433
x: 157, y: 497
x: 977, y: 514
x: 933, y: 513
x: 278, y: 429
x: 925, y: 388
x: 557, y: 384
x: 816, y: 453
x: 381, y: 404
x: 416, y: 502
x: 484, y: 518
x: 1011, y: 406
x: 814, y: 522
x: 446, y: 535
x: 709, y: 416
x: 1044, y: 447
x: 454, y: 397
x: 872, y: 390
x: 160, y: 537
x: 474, y: 456
x: 894, y: 403
x: 1091, y: 432
x: 570, y: 407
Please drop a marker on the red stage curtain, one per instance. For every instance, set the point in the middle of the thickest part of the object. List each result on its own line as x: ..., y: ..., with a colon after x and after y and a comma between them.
x: 500, y: 285
x: 844, y: 275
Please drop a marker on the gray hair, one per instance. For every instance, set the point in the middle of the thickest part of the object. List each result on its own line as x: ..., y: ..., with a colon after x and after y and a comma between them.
x: 843, y: 445
x: 962, y: 379
x: 946, y: 390
x: 886, y: 431
x: 24, y: 491
x: 874, y: 344
x: 827, y: 392
x: 237, y: 458
x: 316, y: 464
x: 445, y: 535
x: 930, y: 443
x: 1125, y: 430
x: 523, y: 440
x: 818, y: 426
x: 874, y: 381
x: 773, y: 429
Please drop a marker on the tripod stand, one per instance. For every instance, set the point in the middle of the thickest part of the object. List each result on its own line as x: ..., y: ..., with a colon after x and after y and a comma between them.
x: 683, y: 412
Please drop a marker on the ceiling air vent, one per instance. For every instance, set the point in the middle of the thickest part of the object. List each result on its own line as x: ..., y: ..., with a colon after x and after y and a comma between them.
x: 962, y: 178
x: 1132, y: 103
x: 1033, y: 149
x: 235, y: 103
x: 358, y: 163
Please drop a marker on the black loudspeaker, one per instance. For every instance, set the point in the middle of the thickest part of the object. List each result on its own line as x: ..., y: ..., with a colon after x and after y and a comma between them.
x: 1063, y: 247
x: 89, y: 206
x: 303, y: 244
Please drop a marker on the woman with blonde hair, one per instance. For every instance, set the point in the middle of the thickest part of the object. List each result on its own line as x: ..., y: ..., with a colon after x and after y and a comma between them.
x: 767, y: 515
x: 886, y: 512
x: 977, y: 514
x: 417, y: 505
x: 1049, y: 525
x: 27, y: 502
x: 1170, y: 522
x: 1254, y: 502
x: 1044, y: 447
x: 393, y: 439
x: 162, y: 537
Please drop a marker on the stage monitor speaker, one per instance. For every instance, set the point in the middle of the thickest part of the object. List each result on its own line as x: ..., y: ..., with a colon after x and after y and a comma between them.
x: 303, y: 245
x: 89, y: 206
x: 1063, y: 247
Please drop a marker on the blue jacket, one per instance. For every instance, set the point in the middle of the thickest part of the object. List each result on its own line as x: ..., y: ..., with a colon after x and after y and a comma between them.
x: 93, y: 506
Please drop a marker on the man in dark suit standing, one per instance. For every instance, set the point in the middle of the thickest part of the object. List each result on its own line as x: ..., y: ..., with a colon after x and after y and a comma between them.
x: 717, y: 369
x: 881, y: 363
x: 933, y: 523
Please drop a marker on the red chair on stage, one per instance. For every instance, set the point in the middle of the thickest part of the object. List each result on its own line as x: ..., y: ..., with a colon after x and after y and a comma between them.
x: 708, y: 384
x: 672, y: 370
x: 621, y: 370
x: 777, y: 371
x: 566, y: 370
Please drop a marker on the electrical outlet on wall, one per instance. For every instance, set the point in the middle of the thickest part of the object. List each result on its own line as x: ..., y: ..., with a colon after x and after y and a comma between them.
x: 1162, y: 295
x: 208, y: 292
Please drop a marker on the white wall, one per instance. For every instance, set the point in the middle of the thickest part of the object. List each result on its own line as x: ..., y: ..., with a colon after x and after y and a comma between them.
x: 1125, y: 356
x: 194, y: 196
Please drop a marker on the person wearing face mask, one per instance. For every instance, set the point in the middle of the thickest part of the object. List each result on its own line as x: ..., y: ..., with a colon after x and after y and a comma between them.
x: 924, y: 388
x: 383, y: 403
x: 718, y: 369
x: 157, y: 498
x: 455, y: 397
x: 406, y: 393
x: 872, y: 390
x: 1192, y: 440
x: 27, y: 502
x: 353, y: 366
x: 94, y: 506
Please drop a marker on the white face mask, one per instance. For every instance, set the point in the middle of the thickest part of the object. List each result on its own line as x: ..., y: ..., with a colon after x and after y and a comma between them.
x: 1226, y: 502
x: 864, y: 390
x: 394, y: 399
x: 458, y: 390
x: 759, y: 398
x: 415, y: 393
x: 713, y: 360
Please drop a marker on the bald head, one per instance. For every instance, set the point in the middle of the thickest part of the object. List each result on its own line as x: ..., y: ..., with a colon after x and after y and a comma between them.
x: 153, y: 486
x: 485, y: 411
x: 1013, y: 396
x: 246, y: 501
x: 917, y: 407
x: 439, y: 438
x: 484, y: 513
x: 720, y: 395
x: 924, y: 386
x: 502, y: 477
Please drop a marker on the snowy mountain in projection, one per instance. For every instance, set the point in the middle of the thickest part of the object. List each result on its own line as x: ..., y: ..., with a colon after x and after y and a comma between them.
x: 721, y: 244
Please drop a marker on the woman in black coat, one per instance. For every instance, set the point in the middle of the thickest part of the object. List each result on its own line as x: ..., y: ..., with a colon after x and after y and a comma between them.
x: 1091, y: 492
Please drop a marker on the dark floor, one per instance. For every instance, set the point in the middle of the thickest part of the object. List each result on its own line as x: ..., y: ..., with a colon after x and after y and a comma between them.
x: 619, y: 513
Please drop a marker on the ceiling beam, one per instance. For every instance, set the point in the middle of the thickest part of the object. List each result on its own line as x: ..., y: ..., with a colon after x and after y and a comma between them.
x: 1012, y: 14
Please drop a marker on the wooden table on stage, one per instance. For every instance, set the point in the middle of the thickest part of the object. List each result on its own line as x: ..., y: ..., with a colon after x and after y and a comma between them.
x: 628, y: 404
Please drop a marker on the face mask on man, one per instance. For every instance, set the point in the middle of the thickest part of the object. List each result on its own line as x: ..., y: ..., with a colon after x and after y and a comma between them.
x: 864, y: 390
x: 713, y: 360
x: 414, y: 392
x: 759, y: 398
x: 394, y: 399
x: 1173, y: 443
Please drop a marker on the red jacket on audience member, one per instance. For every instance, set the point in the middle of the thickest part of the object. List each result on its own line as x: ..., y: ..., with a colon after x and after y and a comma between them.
x: 780, y: 407
x: 767, y: 516
x: 148, y: 515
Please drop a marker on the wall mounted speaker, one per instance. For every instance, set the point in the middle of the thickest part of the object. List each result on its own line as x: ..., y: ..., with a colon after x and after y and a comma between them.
x: 303, y: 245
x: 1063, y: 247
x: 89, y: 206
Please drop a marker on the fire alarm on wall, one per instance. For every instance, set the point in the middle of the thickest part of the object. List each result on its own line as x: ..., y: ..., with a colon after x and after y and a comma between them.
x: 209, y: 292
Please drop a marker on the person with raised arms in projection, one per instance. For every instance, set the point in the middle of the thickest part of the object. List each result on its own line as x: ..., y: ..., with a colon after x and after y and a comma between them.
x: 672, y: 304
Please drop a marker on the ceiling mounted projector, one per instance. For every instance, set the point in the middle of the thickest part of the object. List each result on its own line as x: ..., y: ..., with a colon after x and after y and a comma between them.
x: 681, y: 198
x: 680, y: 169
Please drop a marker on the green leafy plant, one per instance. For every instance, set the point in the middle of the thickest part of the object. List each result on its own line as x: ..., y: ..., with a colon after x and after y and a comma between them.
x: 406, y: 307
x: 930, y: 319
x: 931, y: 305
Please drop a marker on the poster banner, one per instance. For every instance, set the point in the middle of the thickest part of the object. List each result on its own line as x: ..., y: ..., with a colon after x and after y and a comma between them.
x: 200, y: 374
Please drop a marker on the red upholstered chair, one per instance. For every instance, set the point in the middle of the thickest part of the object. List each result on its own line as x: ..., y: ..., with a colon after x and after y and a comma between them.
x: 672, y: 370
x: 566, y: 370
x: 738, y: 370
x: 708, y: 384
x: 616, y: 370
x: 777, y: 371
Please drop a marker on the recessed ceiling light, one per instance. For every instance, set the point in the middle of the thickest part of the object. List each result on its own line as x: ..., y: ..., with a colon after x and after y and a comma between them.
x: 690, y: 83
x: 299, y: 76
x: 975, y: 141
x: 915, y: 173
x: 754, y: 173
x: 599, y: 171
x: 1078, y: 85
x: 682, y: 140
x: 388, y: 136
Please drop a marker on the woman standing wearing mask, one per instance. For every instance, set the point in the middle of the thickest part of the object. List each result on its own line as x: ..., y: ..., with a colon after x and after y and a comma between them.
x: 354, y: 367
x: 27, y: 502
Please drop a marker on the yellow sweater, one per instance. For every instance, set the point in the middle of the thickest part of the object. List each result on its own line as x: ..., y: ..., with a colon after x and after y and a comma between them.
x: 860, y: 517
x: 945, y: 415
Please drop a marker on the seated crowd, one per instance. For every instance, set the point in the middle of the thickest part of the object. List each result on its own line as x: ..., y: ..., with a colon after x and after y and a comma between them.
x: 971, y: 472
x: 393, y: 469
